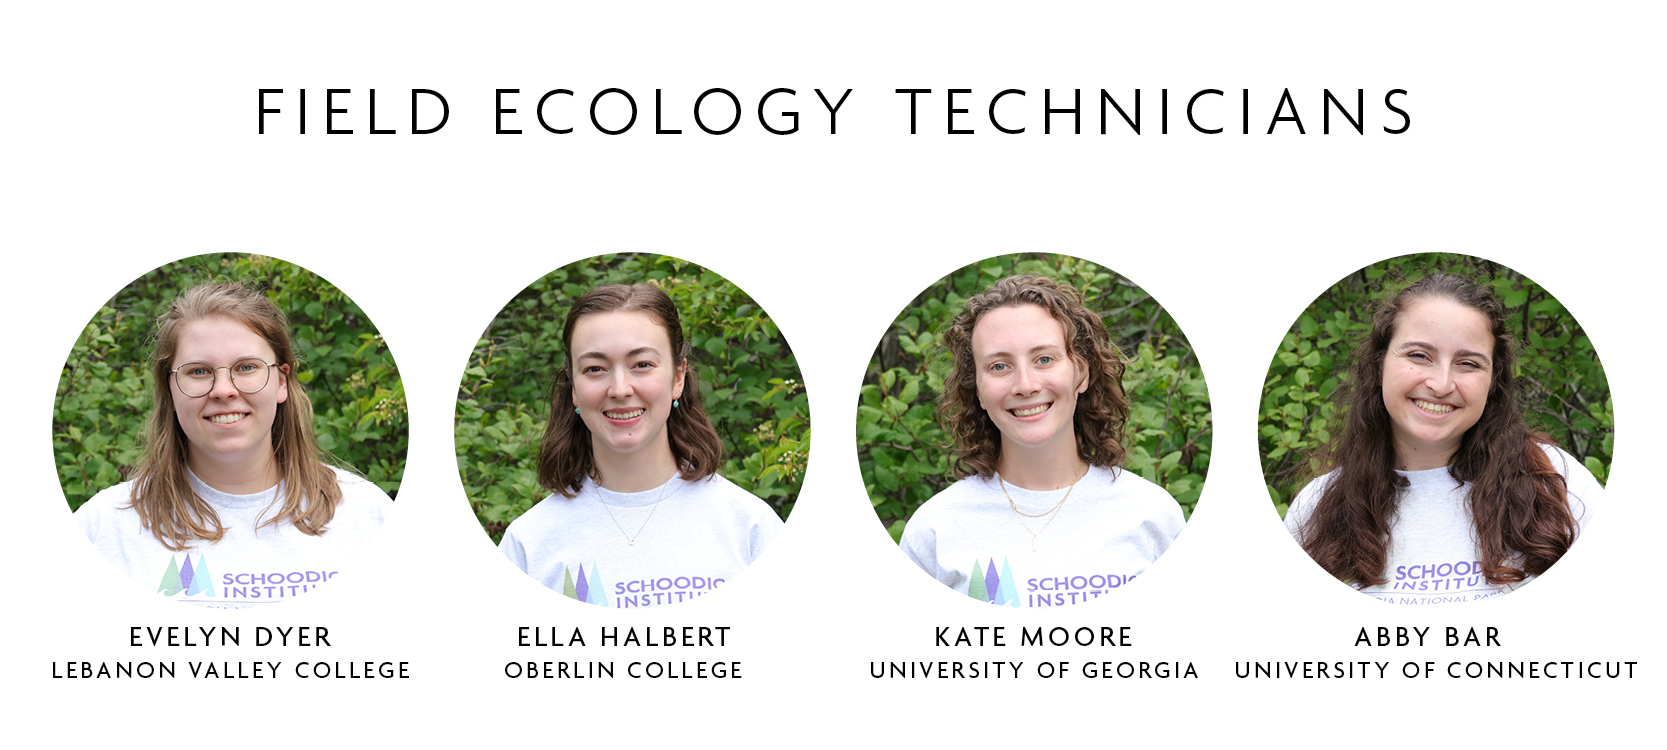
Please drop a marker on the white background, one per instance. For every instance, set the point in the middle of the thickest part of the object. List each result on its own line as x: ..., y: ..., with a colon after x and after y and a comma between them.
x: 130, y: 141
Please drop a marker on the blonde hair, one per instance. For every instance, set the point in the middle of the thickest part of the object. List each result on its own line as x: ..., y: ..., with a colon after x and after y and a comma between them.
x: 162, y: 493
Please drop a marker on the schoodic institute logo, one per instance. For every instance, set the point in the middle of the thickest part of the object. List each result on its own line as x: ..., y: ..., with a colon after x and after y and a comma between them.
x: 588, y: 588
x: 993, y: 587
x: 190, y: 580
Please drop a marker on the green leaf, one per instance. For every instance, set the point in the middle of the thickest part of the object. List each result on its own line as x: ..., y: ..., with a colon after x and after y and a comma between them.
x: 1170, y: 461
x: 1595, y: 466
x: 911, y: 391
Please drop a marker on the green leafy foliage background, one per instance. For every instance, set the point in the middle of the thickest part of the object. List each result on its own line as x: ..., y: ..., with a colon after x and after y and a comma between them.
x: 904, y: 453
x: 750, y: 384
x: 1562, y: 387
x: 104, y: 393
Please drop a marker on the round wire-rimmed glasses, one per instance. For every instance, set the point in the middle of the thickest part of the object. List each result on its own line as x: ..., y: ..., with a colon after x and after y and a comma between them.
x: 196, y: 379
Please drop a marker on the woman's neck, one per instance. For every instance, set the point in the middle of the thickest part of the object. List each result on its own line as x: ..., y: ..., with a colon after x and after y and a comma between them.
x: 639, y: 471
x: 1047, y: 467
x: 1422, y: 457
x: 237, y: 477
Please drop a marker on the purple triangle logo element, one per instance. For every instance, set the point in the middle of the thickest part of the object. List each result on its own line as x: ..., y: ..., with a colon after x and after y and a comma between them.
x: 186, y: 573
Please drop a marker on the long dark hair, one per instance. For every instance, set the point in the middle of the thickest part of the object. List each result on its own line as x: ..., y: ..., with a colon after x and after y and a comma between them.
x: 1517, y: 500
x: 564, y: 458
x: 1102, y: 410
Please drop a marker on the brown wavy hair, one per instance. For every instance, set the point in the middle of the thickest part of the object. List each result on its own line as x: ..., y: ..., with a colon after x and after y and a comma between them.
x: 1102, y: 410
x: 1517, y: 500
x: 162, y: 493
x: 564, y: 458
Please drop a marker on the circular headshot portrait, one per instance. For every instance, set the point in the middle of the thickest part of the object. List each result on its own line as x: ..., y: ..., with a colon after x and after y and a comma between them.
x: 1034, y: 430
x: 1435, y: 429
x: 229, y: 430
x: 632, y: 430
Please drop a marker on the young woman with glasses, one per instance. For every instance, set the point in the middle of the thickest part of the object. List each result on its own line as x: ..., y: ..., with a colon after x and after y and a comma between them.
x: 231, y: 505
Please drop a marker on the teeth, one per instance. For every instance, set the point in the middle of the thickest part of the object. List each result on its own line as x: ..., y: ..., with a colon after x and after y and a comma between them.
x: 226, y: 418
x: 633, y: 414
x: 1032, y: 411
x: 1432, y: 408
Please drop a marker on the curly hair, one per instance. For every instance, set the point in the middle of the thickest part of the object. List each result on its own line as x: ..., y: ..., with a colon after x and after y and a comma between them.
x: 162, y: 493
x: 564, y: 457
x: 1517, y: 500
x: 1102, y: 411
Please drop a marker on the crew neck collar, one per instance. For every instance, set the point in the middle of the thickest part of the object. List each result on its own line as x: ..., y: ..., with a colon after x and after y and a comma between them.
x: 1426, y: 476
x: 229, y: 501
x: 639, y: 499
x: 1034, y: 499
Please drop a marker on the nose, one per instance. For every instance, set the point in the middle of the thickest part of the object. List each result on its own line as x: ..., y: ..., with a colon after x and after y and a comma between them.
x: 223, y: 386
x: 1440, y: 380
x: 1024, y: 382
x: 619, y: 386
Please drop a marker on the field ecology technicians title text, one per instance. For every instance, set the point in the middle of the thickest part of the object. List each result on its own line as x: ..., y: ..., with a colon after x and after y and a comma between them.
x: 945, y: 111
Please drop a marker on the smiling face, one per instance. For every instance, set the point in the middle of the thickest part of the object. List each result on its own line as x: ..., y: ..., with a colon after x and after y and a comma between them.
x: 625, y: 377
x: 1436, y: 376
x: 226, y: 426
x: 1027, y: 379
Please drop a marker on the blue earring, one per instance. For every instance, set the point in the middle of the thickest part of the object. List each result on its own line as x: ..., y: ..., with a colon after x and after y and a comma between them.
x: 575, y: 410
x: 674, y: 403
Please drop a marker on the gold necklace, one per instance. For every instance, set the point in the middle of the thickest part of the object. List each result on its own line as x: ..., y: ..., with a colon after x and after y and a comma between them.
x: 1052, y: 513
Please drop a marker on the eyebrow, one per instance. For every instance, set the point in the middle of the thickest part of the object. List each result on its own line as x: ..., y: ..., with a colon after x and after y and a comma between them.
x: 633, y: 353
x: 1039, y: 348
x: 235, y: 360
x: 1460, y: 353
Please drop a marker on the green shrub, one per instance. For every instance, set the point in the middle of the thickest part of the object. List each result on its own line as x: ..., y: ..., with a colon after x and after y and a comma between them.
x: 904, y: 454
x: 1562, y: 386
x: 749, y: 381
x: 104, y: 393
